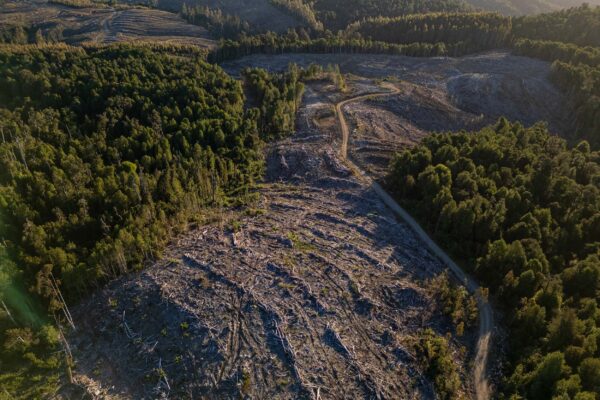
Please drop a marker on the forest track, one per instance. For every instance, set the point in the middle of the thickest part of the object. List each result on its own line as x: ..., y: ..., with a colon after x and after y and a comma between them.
x: 486, y: 318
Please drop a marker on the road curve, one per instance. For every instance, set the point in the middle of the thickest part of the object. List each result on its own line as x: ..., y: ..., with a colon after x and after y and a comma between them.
x: 486, y: 317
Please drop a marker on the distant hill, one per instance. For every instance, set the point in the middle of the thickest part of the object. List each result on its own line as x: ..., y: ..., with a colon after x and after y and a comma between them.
x: 520, y: 7
x: 336, y: 14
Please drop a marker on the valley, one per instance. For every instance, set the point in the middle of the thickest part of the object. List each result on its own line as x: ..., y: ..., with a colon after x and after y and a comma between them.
x: 292, y: 199
x: 265, y: 294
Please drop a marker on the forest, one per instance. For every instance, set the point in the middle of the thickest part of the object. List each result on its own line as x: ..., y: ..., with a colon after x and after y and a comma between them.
x: 479, y: 31
x: 106, y: 153
x: 578, y: 25
x: 278, y: 97
x: 523, y: 209
x: 219, y: 24
x: 270, y: 43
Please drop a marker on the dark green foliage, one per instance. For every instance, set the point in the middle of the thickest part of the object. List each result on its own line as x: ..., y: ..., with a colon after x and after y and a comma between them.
x: 522, y: 7
x: 456, y: 303
x: 579, y: 25
x: 435, y: 356
x: 582, y: 83
x: 277, y: 97
x: 29, y: 362
x: 524, y: 209
x: 102, y: 148
x: 23, y: 34
x: 551, y: 51
x: 271, y: 43
x: 474, y: 31
x: 218, y: 24
x: 105, y: 153
x: 337, y: 14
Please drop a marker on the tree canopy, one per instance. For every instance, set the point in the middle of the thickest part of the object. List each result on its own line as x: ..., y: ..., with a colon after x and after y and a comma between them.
x: 105, y: 154
x: 524, y: 209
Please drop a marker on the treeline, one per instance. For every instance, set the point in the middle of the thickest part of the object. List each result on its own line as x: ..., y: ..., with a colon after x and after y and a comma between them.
x: 520, y: 7
x: 301, y: 10
x: 568, y: 38
x: 576, y: 71
x: 524, y: 209
x: 581, y: 82
x: 552, y: 51
x: 272, y: 44
x: 480, y: 30
x: 219, y: 24
x: 26, y: 34
x: 578, y: 25
x: 337, y: 15
x: 78, y: 3
x: 277, y: 97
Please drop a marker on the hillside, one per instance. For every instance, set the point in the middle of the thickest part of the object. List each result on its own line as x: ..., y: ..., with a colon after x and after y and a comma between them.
x: 521, y: 7
x: 41, y: 21
x: 336, y: 15
x: 299, y: 199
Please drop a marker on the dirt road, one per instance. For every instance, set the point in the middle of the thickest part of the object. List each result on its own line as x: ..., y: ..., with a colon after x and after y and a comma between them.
x: 486, y: 319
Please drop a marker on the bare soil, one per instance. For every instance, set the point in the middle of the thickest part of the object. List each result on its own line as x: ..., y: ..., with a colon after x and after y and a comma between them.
x: 436, y: 94
x: 493, y: 83
x: 316, y: 291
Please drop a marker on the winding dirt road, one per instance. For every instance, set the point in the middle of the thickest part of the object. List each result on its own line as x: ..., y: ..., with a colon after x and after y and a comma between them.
x: 486, y: 318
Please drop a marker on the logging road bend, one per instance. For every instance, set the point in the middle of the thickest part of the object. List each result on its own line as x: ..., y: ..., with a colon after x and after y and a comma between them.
x: 486, y: 318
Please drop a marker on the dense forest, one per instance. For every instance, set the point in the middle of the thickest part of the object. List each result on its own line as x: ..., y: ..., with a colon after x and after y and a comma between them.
x: 524, y: 209
x: 337, y: 15
x: 477, y: 30
x: 552, y: 51
x: 23, y: 34
x: 579, y: 25
x: 293, y: 43
x: 277, y: 98
x: 106, y: 153
x: 520, y: 7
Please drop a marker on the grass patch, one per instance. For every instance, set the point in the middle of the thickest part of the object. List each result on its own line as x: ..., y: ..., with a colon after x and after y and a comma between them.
x: 255, y: 212
x: 288, y: 286
x: 299, y: 244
